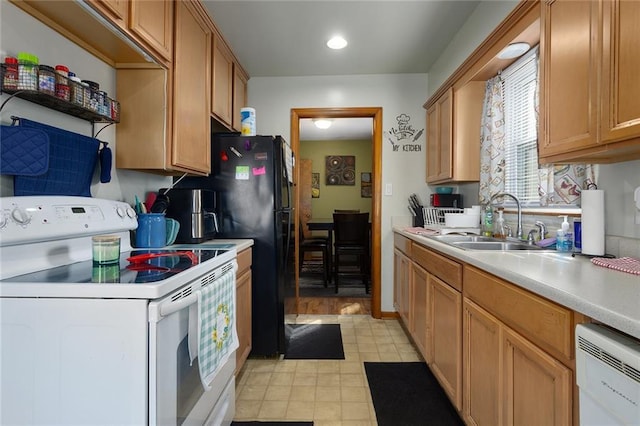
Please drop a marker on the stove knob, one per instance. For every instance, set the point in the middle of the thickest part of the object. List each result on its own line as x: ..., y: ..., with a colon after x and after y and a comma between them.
x: 3, y: 220
x: 20, y: 216
x: 131, y: 213
x: 120, y: 212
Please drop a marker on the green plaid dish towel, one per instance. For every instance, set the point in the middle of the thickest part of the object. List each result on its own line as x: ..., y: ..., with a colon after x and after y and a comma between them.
x: 217, y: 339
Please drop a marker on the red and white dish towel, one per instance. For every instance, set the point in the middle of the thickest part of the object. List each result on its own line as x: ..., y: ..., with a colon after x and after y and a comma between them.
x: 624, y: 264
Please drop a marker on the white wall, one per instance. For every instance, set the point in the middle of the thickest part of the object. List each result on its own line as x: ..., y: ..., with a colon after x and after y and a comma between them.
x: 274, y: 97
x: 20, y: 32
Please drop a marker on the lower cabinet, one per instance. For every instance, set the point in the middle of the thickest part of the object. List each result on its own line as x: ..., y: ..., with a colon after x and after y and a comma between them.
x: 509, y: 379
x: 502, y: 354
x: 243, y: 307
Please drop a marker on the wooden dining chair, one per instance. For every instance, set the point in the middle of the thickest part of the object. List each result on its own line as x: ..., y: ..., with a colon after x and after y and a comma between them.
x: 351, y: 247
x: 316, y: 244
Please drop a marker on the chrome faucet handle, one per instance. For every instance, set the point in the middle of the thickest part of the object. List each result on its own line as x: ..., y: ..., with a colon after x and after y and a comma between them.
x: 542, y: 229
x: 509, y: 230
x: 531, y: 236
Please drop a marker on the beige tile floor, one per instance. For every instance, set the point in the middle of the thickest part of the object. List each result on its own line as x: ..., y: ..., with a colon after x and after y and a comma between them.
x: 329, y: 392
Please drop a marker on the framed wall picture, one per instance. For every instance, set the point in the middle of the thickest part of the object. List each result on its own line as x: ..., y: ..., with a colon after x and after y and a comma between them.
x: 340, y: 169
x: 365, y: 185
x: 315, y: 185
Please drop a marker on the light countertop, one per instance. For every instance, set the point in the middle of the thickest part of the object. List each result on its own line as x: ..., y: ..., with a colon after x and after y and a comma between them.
x: 606, y: 295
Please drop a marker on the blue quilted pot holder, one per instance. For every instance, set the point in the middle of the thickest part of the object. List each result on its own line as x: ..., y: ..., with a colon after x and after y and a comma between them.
x: 23, y: 152
x: 72, y: 161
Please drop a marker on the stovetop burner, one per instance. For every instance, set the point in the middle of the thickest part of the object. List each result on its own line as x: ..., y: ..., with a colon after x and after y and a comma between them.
x: 171, y: 263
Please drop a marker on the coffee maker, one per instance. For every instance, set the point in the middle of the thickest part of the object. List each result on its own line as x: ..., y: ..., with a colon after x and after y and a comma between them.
x: 194, y: 209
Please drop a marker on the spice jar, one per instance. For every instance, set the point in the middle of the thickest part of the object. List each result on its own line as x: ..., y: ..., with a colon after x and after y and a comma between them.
x: 93, y: 94
x: 46, y: 80
x: 27, y: 71
x: 11, y: 75
x: 62, y: 82
x: 115, y: 110
x: 86, y: 92
x: 76, y: 90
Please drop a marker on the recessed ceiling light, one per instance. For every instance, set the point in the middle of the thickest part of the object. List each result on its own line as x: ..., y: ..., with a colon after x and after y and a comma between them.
x: 337, y: 42
x: 514, y: 50
x: 322, y: 123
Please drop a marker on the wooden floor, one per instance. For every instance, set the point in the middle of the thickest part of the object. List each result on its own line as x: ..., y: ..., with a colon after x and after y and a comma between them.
x: 330, y: 306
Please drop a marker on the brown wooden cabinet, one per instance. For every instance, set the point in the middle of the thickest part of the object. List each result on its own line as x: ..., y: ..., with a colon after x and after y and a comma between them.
x: 445, y: 313
x: 222, y: 82
x: 228, y: 85
x: 148, y: 22
x: 518, y: 355
x: 164, y: 124
x: 401, y: 277
x: 419, y: 307
x: 589, y: 93
x: 243, y: 307
x: 240, y: 78
x: 453, y: 134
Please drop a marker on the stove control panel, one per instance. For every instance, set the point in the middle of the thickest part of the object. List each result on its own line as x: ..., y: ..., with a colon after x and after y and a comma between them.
x: 30, y: 219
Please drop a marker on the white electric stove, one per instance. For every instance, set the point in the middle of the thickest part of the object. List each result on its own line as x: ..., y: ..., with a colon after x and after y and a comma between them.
x: 82, y: 344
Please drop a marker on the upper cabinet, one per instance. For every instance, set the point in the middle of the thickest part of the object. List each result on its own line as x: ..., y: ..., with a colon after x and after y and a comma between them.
x: 453, y: 135
x: 165, y: 121
x: 589, y: 90
x: 228, y: 85
x: 147, y: 22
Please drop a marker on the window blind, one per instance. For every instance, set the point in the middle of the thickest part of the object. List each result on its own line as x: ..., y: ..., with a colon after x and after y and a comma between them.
x: 520, y: 81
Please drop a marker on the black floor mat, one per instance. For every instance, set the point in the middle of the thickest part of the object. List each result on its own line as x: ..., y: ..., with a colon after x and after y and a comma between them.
x: 313, y: 341
x: 407, y: 393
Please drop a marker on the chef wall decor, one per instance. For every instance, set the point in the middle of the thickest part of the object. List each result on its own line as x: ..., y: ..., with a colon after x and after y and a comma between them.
x: 404, y: 138
x: 340, y: 169
x: 315, y: 185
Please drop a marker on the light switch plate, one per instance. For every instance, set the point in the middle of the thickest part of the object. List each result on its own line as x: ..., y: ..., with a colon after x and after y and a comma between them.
x: 388, y: 189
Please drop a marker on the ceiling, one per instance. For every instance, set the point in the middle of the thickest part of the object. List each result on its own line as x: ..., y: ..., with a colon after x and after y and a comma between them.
x: 287, y: 38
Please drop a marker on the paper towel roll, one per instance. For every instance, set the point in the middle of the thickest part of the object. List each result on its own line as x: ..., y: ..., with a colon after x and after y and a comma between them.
x: 593, y: 222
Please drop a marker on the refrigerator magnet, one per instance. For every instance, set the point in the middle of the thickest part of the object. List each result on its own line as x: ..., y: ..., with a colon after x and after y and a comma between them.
x: 242, y: 172
x: 258, y: 171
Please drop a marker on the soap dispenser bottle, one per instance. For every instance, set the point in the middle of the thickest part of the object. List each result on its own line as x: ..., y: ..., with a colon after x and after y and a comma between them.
x: 487, y: 225
x: 564, y: 238
x: 499, y: 230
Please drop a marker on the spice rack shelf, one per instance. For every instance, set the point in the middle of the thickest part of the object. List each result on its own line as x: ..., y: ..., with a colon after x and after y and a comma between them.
x: 60, y: 105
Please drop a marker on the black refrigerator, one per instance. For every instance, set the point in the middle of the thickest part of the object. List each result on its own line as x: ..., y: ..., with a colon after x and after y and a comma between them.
x: 252, y: 178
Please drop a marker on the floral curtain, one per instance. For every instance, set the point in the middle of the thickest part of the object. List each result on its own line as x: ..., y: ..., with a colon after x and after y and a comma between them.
x: 557, y: 184
x: 492, y: 161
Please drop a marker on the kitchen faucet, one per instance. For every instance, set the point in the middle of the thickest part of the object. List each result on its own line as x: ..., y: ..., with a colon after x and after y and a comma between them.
x: 506, y: 194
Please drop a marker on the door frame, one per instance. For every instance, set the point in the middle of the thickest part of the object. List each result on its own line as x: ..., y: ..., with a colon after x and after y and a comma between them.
x: 376, y: 181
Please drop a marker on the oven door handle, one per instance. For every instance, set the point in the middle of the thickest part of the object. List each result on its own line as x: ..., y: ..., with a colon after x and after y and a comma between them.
x: 169, y: 308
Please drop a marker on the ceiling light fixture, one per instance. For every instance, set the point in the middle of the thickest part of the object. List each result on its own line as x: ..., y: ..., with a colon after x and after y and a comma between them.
x: 322, y: 123
x: 514, y: 50
x: 337, y: 42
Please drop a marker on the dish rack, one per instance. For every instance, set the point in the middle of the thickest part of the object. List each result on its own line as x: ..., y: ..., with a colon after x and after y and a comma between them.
x: 435, y: 215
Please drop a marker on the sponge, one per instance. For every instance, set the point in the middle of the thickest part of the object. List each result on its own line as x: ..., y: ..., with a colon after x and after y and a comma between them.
x: 547, y: 242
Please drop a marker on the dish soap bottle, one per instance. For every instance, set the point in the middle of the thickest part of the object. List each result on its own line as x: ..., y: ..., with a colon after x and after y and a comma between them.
x: 499, y: 229
x: 564, y: 238
x: 487, y: 229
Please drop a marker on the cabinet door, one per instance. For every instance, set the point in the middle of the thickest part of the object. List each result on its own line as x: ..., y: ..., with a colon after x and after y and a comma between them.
x: 401, y: 285
x: 152, y: 22
x: 621, y: 67
x: 481, y: 366
x: 239, y: 95
x: 419, y: 309
x: 191, y: 119
x: 243, y: 318
x: 569, y: 76
x: 445, y: 313
x: 537, y: 388
x: 222, y: 82
x: 440, y: 139
x: 116, y: 11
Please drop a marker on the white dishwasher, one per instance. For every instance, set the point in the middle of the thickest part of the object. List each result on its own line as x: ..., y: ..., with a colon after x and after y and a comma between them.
x: 608, y: 376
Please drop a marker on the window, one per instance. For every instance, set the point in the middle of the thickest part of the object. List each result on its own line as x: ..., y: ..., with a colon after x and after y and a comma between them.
x: 520, y: 82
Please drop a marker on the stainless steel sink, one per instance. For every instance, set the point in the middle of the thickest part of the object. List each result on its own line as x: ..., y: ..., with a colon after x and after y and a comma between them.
x: 474, y: 242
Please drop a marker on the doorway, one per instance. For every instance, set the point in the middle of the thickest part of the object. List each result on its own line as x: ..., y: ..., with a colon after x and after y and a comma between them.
x: 376, y: 170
